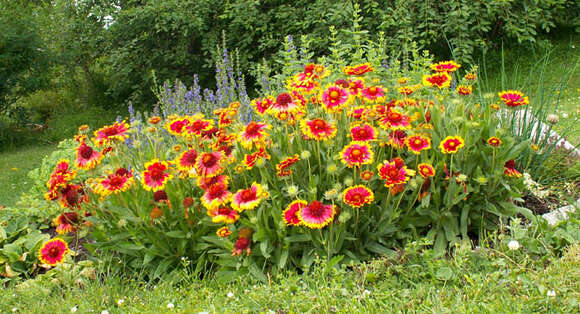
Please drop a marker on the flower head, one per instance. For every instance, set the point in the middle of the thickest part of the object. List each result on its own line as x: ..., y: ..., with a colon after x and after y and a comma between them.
x: 282, y: 166
x: 186, y: 161
x: 513, y: 98
x: 316, y: 215
x: 357, y: 154
x: 395, y: 172
x: 375, y: 94
x: 87, y: 157
x: 494, y: 141
x: 367, y: 175
x: 215, y: 196
x: 156, y: 175
x: 290, y: 214
x: 451, y: 144
x: 441, y: 80
x: 394, y: 119
x: 249, y: 198
x: 445, y: 66
x: 110, y: 133
x: 510, y: 169
x: 357, y: 196
x: 363, y: 133
x: 464, y: 90
x: 262, y: 105
x: 223, y: 232
x: 318, y: 129
x: 426, y: 170
x: 53, y: 251
x: 358, y: 69
x: 210, y: 164
x: 114, y: 183
x: 254, y: 134
x: 335, y: 98
x: 417, y: 143
x: 223, y: 215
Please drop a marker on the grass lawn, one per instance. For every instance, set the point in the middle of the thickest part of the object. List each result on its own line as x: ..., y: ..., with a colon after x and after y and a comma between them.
x: 483, y: 280
x: 14, y: 168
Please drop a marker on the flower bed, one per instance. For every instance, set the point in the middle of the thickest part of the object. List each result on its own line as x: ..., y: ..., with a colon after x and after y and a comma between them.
x: 343, y: 163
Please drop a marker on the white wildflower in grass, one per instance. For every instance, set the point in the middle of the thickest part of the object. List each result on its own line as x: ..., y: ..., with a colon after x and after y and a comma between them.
x: 551, y: 293
x: 305, y: 154
x: 170, y: 306
x: 120, y: 302
x: 74, y: 309
x: 534, y: 187
x: 553, y: 118
x: 292, y: 190
x: 513, y: 245
x: 104, y: 312
x: 230, y: 295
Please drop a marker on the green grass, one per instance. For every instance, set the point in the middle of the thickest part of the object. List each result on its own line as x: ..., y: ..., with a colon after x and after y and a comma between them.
x: 481, y: 280
x: 14, y: 167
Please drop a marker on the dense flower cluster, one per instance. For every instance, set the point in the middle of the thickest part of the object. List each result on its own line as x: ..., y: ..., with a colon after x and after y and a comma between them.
x: 226, y: 181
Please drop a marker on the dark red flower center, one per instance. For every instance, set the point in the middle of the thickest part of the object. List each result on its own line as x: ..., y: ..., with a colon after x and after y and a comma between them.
x: 123, y: 172
x: 209, y: 160
x: 216, y: 191
x: 372, y: 90
x: 248, y: 195
x: 242, y: 243
x: 334, y: 95
x: 53, y: 252
x: 111, y: 131
x: 189, y: 157
x: 160, y: 196
x: 438, y: 80
x: 356, y: 153
x: 253, y: 129
x: 156, y: 174
x: 116, y: 181
x: 319, y: 124
x: 316, y: 209
x: 284, y: 99
x: 395, y: 116
x: 85, y: 151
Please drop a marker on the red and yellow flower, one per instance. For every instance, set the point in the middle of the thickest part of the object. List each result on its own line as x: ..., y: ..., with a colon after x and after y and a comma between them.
x: 318, y: 129
x: 248, y: 199
x: 445, y: 66
x: 255, y: 133
x: 417, y: 143
x: 223, y: 232
x: 261, y: 106
x: 67, y: 222
x: 316, y: 215
x: 53, y: 252
x: 426, y: 170
x: 210, y: 164
x: 397, y: 139
x: 288, y: 103
x: 282, y: 166
x: 510, y: 169
x: 114, y: 183
x: 394, y: 119
x: 118, y: 131
x: 205, y: 182
x: 494, y: 141
x: 355, y: 86
x: 513, y: 98
x: 441, y: 80
x: 215, y: 196
x: 363, y: 133
x: 87, y: 157
x: 358, y: 69
x: 451, y: 144
x: 464, y: 90
x: 334, y: 98
x: 394, y: 172
x: 290, y: 214
x: 197, y: 126
x: 367, y: 175
x: 186, y: 162
x: 223, y: 215
x: 357, y: 154
x: 358, y: 196
x: 375, y: 94
x: 156, y: 175
x: 405, y: 90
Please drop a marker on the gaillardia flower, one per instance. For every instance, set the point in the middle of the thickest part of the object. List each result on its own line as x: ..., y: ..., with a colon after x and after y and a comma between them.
x: 186, y: 161
x: 357, y: 154
x: 363, y: 133
x: 316, y: 215
x: 216, y: 196
x: 114, y: 183
x: 290, y: 214
x: 513, y: 98
x: 464, y: 90
x: 254, y: 134
x: 445, y: 66
x: 156, y: 175
x: 358, y: 69
x: 66, y: 222
x: 510, y: 169
x: 249, y: 198
x: 426, y: 170
x: 335, y: 98
x: 87, y: 157
x: 374, y: 94
x: 53, y: 252
x: 282, y: 166
x: 441, y: 80
x: 367, y: 175
x: 197, y: 126
x: 451, y: 144
x: 223, y: 215
x: 394, y: 172
x: 417, y: 143
x: 357, y: 196
x: 107, y: 134
x: 223, y: 232
x: 210, y: 164
x: 394, y: 119
x: 317, y: 129
x: 494, y: 141
x: 262, y: 105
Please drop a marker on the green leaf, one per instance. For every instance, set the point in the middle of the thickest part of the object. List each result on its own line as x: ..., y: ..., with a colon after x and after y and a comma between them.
x: 176, y: 234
